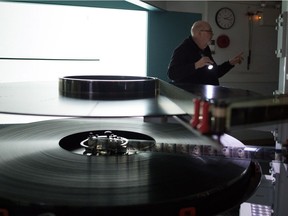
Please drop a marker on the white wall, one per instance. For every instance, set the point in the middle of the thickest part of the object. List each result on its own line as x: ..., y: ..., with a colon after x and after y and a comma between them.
x: 262, y: 76
x: 117, y: 38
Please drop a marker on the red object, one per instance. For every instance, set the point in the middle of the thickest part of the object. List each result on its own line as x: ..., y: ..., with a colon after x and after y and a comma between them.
x: 204, y: 126
x: 191, y: 211
x: 223, y: 41
x: 4, y: 212
x: 195, y: 121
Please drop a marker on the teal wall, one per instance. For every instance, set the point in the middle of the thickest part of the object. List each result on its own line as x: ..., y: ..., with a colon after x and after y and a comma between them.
x: 166, y: 30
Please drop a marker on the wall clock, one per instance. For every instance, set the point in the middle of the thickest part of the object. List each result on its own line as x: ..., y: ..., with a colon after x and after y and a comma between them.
x: 225, y: 18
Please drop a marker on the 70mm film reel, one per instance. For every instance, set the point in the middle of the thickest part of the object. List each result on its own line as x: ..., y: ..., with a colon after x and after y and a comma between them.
x: 38, y: 175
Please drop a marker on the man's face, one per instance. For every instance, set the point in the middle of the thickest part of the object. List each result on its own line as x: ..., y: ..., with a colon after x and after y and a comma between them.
x: 206, y: 34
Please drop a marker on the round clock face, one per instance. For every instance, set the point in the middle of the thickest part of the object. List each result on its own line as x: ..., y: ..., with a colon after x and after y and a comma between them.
x: 225, y: 18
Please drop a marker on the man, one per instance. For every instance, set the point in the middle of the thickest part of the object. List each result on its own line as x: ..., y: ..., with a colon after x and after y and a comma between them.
x: 192, y: 62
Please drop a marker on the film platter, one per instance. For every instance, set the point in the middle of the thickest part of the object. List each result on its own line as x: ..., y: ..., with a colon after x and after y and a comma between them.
x: 43, y: 169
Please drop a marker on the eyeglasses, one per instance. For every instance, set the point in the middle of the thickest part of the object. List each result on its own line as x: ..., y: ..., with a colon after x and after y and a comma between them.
x: 209, y: 31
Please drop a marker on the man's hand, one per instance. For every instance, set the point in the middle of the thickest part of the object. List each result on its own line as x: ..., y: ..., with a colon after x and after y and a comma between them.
x: 237, y: 59
x: 204, y: 61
